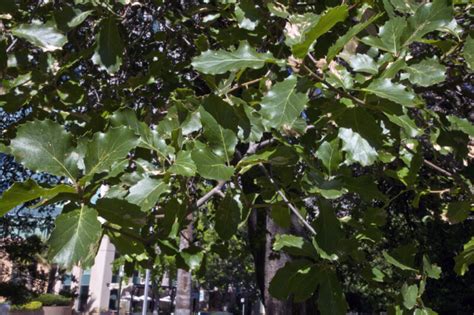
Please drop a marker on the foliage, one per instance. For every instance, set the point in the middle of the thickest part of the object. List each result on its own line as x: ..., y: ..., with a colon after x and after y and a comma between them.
x: 323, y: 113
x: 31, y: 306
x: 53, y: 300
x: 15, y: 293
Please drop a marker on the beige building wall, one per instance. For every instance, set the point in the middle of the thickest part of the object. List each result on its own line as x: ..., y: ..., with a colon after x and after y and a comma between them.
x: 101, y: 277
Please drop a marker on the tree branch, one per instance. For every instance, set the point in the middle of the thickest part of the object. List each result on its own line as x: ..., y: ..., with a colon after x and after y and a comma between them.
x: 214, y: 191
x: 288, y: 203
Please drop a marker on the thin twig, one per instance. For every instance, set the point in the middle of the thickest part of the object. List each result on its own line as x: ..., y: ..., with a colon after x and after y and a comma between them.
x: 431, y: 164
x: 288, y: 203
x: 246, y: 84
x: 332, y: 87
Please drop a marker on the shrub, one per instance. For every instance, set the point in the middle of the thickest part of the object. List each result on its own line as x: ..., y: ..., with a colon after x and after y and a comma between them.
x: 31, y: 306
x: 16, y: 293
x: 53, y: 300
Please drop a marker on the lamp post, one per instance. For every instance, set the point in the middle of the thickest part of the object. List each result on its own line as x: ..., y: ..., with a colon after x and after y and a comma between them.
x: 145, y: 294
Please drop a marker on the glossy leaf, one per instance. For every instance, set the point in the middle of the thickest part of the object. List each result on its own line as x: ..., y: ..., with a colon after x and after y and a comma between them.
x: 45, y: 36
x: 222, y: 61
x: 222, y: 141
x: 468, y: 51
x: 390, y: 36
x: 75, y: 237
x: 147, y: 192
x: 394, y: 92
x: 211, y: 166
x: 183, y: 165
x: 461, y: 124
x: 325, y: 23
x: 109, y: 47
x: 427, y: 18
x: 410, y: 294
x: 330, y: 155
x: 107, y: 148
x: 357, y: 148
x: 120, y: 212
x: 465, y: 258
x: 29, y: 190
x: 328, y: 229
x: 343, y: 40
x: 458, y: 211
x: 331, y: 300
x: 283, y: 104
x: 227, y: 217
x: 426, y: 73
x: 363, y: 63
x: 45, y: 146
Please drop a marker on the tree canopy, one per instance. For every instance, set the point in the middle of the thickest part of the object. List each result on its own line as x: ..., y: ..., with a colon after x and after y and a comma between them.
x: 326, y: 115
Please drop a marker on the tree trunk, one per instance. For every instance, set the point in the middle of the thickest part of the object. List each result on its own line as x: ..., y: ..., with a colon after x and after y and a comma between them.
x: 183, y: 283
x: 262, y: 232
x: 52, y: 278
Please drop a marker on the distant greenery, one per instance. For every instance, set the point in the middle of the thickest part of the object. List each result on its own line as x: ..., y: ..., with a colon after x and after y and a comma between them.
x: 31, y: 306
x: 53, y: 300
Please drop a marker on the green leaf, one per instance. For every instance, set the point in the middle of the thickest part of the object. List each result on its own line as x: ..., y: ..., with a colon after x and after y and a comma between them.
x: 394, y: 92
x: 458, y: 211
x: 222, y: 141
x: 183, y: 165
x: 363, y: 63
x: 69, y: 17
x: 120, y: 212
x: 247, y: 15
x: 461, y: 124
x: 343, y: 40
x: 331, y: 300
x: 410, y: 294
x: 44, y: 146
x: 431, y: 270
x: 221, y: 61
x: 75, y: 237
x: 211, y: 166
x: 227, y: 217
x: 107, y: 148
x: 426, y: 73
x: 405, y: 122
x: 325, y: 23
x: 428, y: 18
x: 287, y: 240
x: 192, y: 256
x: 361, y: 120
x: 280, y: 283
x: 28, y: 190
x: 390, y: 36
x: 283, y: 104
x: 109, y: 47
x: 465, y: 258
x: 357, y: 148
x: 365, y: 186
x: 330, y: 154
x: 391, y: 260
x: 45, y: 36
x: 328, y: 228
x: 147, y: 192
x: 468, y: 51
